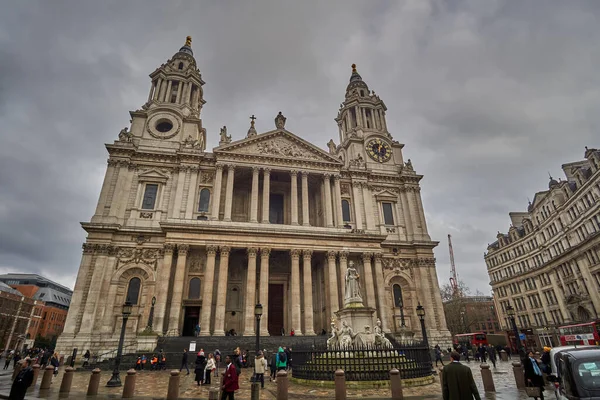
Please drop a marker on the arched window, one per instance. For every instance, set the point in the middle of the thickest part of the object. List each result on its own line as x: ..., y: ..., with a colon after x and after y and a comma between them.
x: 346, y: 211
x: 133, y: 291
x: 398, y: 301
x: 194, y: 289
x: 180, y: 65
x: 204, y: 200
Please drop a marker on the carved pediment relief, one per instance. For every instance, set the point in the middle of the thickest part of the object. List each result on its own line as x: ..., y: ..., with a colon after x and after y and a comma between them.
x: 278, y: 144
x: 153, y: 174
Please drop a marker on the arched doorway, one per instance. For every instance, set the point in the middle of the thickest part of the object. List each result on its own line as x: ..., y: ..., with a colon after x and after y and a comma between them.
x: 583, y: 315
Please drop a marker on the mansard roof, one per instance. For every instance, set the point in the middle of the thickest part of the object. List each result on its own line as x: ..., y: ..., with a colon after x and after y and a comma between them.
x: 277, y: 144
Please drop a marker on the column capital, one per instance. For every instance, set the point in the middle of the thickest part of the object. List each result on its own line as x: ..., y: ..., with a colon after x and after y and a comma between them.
x: 168, y: 248
x: 367, y: 257
x: 182, y: 249
x: 331, y: 254
x: 255, y: 169
x: 336, y: 177
x: 230, y: 167
x: 219, y: 166
x: 225, y: 250
x: 294, y: 172
x: 211, y: 250
x: 305, y: 173
x: 307, y: 253
x: 265, y: 252
x: 326, y: 175
x: 378, y: 257
x: 295, y: 253
x: 266, y: 170
x: 252, y: 251
x: 344, y: 256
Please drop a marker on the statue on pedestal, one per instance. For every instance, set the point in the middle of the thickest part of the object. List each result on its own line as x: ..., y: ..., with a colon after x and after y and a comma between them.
x: 352, y: 286
x: 380, y: 339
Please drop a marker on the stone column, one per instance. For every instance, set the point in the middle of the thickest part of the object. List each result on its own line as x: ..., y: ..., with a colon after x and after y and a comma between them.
x: 421, y: 210
x: 168, y: 93
x: 416, y: 221
x: 263, y: 290
x: 343, y: 269
x: 163, y: 89
x: 368, y: 202
x: 338, y: 202
x: 305, y: 216
x: 179, y: 90
x: 162, y: 289
x: 151, y: 94
x: 333, y: 282
x: 357, y: 208
x: 328, y: 211
x: 382, y: 307
x: 191, y: 205
x: 410, y: 230
x: 178, y: 284
x: 369, y: 284
x: 561, y: 301
x: 222, y: 292
x: 207, y: 296
x: 157, y: 89
x: 308, y: 286
x: 95, y: 287
x: 266, y: 193
x: 254, y: 196
x: 249, y: 329
x: 216, y: 200
x: 295, y: 289
x: 294, y: 196
x: 229, y: 192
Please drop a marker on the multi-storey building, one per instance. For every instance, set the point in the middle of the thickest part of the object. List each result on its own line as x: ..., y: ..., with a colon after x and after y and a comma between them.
x: 548, y: 265
x: 56, y: 299
x: 466, y: 314
x: 267, y: 217
x: 18, y: 317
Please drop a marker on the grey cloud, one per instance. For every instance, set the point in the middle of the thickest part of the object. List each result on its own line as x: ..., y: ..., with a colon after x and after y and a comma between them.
x: 487, y: 96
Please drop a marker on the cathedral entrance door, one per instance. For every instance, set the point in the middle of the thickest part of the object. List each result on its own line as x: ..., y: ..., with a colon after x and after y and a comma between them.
x: 276, y: 208
x: 192, y: 316
x: 275, y: 323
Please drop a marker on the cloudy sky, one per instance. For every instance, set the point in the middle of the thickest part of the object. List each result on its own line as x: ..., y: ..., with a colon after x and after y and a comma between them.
x: 488, y: 96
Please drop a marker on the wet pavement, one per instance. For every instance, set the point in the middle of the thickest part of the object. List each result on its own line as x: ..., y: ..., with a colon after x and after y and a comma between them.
x: 153, y: 385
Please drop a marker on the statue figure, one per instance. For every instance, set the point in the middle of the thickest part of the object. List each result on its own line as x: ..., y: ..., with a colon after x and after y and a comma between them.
x: 334, y: 340
x: 188, y: 41
x: 332, y: 147
x: 191, y: 143
x: 408, y: 165
x: 380, y: 339
x: 225, y: 138
x: 347, y: 336
x: 352, y: 287
x: 125, y: 135
x: 280, y: 121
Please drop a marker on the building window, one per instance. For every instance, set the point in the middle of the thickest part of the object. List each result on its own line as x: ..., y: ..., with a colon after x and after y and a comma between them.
x: 346, y: 211
x: 204, y: 200
x: 388, y: 215
x: 180, y: 66
x: 133, y: 291
x: 398, y: 301
x: 150, y: 193
x: 194, y: 289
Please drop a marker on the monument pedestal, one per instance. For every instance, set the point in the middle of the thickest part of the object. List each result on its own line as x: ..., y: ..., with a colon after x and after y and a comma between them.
x: 359, y: 318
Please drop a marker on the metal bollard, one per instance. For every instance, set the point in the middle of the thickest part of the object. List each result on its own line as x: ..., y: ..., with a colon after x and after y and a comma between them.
x: 94, y: 382
x: 36, y: 373
x: 129, y: 386
x: 340, y: 385
x: 396, y: 384
x: 47, y: 377
x: 441, y: 375
x: 173, y: 390
x: 282, y: 385
x: 65, y: 385
x: 486, y: 377
x: 213, y: 394
x: 518, y: 372
x: 503, y: 355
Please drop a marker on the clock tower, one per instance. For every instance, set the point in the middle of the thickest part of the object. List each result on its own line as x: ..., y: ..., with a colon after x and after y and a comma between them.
x: 364, y: 136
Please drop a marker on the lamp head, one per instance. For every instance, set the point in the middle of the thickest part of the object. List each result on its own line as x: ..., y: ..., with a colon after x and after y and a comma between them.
x: 126, y: 309
x: 420, y: 311
x: 258, y: 310
x: 510, y: 311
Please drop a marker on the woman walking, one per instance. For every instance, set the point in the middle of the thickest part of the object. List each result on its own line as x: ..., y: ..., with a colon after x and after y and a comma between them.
x: 210, y: 367
x: 199, y: 368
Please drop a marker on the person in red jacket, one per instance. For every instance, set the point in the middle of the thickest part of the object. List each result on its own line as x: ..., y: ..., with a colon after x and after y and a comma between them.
x: 230, y: 380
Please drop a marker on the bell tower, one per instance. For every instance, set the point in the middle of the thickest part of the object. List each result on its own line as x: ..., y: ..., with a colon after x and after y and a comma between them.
x: 362, y: 111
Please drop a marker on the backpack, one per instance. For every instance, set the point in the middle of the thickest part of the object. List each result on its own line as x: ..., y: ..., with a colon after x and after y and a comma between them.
x: 282, y: 357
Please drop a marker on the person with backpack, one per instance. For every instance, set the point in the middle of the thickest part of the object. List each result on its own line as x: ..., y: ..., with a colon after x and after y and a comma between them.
x: 273, y: 367
x: 281, y: 360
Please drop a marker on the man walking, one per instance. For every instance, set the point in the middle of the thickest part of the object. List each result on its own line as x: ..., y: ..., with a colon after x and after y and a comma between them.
x: 22, y: 381
x: 438, y: 355
x: 230, y: 380
x: 458, y: 381
x: 184, y: 362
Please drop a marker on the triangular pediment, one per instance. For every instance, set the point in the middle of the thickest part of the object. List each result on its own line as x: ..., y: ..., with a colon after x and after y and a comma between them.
x: 153, y: 173
x: 277, y: 144
x: 539, y: 196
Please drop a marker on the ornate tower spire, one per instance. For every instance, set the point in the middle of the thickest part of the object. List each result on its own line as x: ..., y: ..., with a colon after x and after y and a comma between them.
x: 361, y: 111
x: 252, y: 130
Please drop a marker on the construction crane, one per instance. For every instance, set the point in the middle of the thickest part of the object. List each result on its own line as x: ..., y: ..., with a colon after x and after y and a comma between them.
x: 454, y: 278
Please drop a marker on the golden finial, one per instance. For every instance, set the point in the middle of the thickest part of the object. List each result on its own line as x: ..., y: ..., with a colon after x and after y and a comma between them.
x: 353, y: 68
x: 188, y: 41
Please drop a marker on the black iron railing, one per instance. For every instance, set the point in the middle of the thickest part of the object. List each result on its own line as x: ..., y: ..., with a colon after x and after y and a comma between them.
x: 366, y: 363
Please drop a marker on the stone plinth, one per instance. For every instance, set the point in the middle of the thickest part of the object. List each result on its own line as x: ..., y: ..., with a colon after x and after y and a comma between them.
x: 358, y: 318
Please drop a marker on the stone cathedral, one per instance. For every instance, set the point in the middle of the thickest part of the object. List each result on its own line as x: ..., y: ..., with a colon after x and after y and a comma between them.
x: 198, y: 238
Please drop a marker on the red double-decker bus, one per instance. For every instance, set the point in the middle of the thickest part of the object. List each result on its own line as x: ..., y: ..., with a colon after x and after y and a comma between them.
x: 582, y: 334
x: 471, y: 339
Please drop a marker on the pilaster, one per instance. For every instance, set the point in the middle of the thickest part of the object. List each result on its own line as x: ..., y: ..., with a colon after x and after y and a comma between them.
x: 209, y: 284
x: 369, y: 283
x: 333, y: 283
x: 338, y: 202
x: 328, y: 211
x: 263, y: 293
x: 254, y: 196
x: 305, y: 215
x: 249, y: 329
x: 229, y: 192
x: 178, y: 284
x: 343, y: 269
x: 295, y: 289
x: 222, y: 292
x: 382, y: 308
x: 294, y: 196
x: 216, y: 200
x: 266, y: 194
x: 308, y: 287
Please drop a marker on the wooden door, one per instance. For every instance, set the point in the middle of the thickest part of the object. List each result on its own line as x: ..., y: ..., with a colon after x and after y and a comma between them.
x: 275, y: 323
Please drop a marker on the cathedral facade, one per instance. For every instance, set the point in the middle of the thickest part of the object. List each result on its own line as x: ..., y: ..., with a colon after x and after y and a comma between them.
x: 192, y: 237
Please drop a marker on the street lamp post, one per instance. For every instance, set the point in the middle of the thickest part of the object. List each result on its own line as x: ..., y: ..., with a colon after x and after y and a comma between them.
x: 115, y: 380
x: 151, y: 316
x: 255, y: 389
x: 421, y: 314
x: 510, y: 311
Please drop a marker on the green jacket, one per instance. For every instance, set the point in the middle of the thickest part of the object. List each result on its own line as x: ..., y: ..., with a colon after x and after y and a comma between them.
x: 280, y: 363
x: 458, y: 383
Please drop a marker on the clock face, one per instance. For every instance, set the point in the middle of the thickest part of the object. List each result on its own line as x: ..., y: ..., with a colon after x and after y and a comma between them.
x: 379, y: 150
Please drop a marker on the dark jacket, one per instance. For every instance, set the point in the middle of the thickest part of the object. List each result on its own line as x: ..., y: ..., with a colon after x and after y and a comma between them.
x: 230, y: 379
x: 199, y: 368
x: 21, y: 383
x: 530, y: 375
x: 237, y: 362
x: 458, y: 383
x: 184, y: 358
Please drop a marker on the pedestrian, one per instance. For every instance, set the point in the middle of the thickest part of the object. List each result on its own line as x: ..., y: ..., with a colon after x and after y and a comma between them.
x: 199, y: 368
x: 507, y: 350
x: 481, y: 351
x: 86, y: 359
x: 237, y: 360
x: 491, y: 351
x: 55, y: 362
x: 230, y: 380
x: 260, y: 366
x: 16, y: 359
x: 144, y: 361
x: 138, y: 363
x: 7, y: 361
x: 209, y: 368
x: 546, y: 360
x: 217, y: 362
x: 281, y: 360
x: 154, y: 362
x: 438, y: 355
x: 458, y: 381
x: 533, y: 374
x: 162, y: 362
x: 273, y: 367
x: 22, y: 381
x: 197, y: 330
x: 184, y: 362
